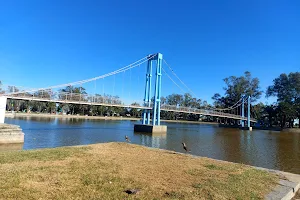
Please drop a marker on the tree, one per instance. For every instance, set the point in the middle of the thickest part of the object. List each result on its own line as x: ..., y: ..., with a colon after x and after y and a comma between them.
x: 270, y: 111
x: 287, y: 90
x: 134, y: 111
x: 174, y: 99
x: 187, y: 100
x: 50, y: 106
x: 74, y: 94
x: 163, y: 100
x: 237, y: 87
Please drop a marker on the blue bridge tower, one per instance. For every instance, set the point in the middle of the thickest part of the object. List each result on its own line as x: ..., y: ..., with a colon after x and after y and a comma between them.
x: 147, y: 126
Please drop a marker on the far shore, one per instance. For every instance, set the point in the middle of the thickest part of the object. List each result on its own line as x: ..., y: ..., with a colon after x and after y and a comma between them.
x: 292, y: 130
x: 12, y: 115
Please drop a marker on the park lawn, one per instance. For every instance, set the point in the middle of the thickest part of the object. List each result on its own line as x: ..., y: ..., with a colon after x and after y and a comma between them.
x: 104, y: 171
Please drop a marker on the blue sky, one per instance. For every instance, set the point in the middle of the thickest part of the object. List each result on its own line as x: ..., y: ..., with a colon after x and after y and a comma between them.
x: 44, y: 43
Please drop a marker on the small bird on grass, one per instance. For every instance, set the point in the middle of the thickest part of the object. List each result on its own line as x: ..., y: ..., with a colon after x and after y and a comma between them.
x: 185, y: 148
x: 132, y: 191
x: 127, y: 138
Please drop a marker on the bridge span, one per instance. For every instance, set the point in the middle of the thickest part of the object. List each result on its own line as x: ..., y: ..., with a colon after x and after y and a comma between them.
x: 94, y: 101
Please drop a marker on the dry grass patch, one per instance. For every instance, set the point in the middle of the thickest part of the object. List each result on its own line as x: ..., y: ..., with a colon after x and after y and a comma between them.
x: 104, y: 171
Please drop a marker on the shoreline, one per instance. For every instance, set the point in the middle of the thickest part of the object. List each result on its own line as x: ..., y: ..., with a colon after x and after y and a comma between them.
x: 12, y: 115
x: 292, y: 130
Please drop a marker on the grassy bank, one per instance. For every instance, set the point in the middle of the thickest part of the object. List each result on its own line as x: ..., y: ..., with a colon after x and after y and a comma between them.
x: 104, y: 171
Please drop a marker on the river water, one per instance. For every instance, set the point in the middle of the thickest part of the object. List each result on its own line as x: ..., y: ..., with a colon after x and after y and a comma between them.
x: 274, y: 150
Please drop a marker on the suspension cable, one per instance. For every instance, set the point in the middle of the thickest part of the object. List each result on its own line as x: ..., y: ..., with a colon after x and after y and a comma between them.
x: 172, y: 80
x: 123, y: 84
x: 114, y: 85
x: 128, y: 67
x: 139, y: 69
x: 130, y: 85
x: 178, y: 78
x: 219, y: 109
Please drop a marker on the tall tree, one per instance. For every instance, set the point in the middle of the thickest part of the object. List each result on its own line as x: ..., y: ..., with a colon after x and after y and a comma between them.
x: 74, y: 94
x: 237, y: 87
x: 287, y: 90
x: 270, y: 112
x: 134, y: 111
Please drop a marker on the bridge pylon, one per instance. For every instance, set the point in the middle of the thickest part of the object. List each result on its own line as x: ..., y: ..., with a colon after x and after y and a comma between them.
x: 243, y: 112
x: 248, y: 114
x: 3, y: 100
x: 248, y: 117
x: 155, y: 126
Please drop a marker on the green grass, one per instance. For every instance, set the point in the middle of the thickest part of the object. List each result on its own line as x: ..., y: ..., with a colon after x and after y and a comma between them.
x: 215, y: 167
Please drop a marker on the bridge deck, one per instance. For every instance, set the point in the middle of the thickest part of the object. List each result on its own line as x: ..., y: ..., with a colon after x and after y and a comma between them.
x: 113, y: 104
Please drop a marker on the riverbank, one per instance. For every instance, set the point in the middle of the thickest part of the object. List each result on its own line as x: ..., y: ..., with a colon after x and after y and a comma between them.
x: 292, y: 130
x: 10, y: 115
x: 106, y: 170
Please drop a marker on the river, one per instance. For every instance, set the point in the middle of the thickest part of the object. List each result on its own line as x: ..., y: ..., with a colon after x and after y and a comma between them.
x: 274, y: 150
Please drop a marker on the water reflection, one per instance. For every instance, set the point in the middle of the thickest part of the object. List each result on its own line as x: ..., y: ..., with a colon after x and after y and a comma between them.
x: 156, y: 140
x: 276, y: 150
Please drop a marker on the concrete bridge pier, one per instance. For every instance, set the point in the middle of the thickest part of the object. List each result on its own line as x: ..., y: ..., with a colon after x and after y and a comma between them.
x: 3, y: 101
x: 9, y: 134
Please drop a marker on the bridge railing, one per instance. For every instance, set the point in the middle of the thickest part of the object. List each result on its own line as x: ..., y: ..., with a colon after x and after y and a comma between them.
x: 202, y: 111
x: 66, y: 97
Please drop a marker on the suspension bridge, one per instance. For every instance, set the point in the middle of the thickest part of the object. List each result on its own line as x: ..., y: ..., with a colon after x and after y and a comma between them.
x: 123, y: 97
